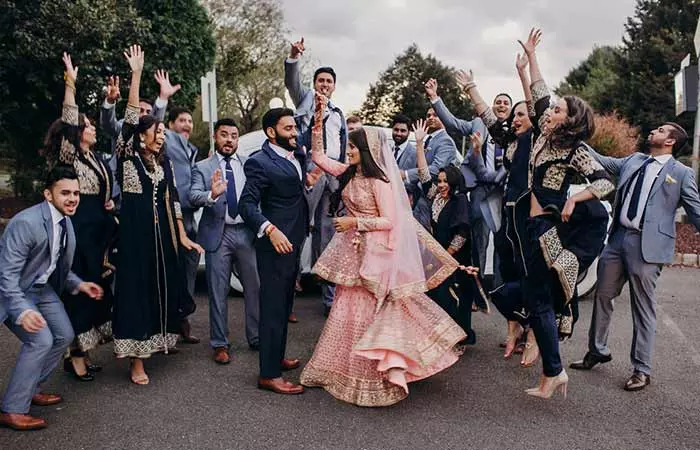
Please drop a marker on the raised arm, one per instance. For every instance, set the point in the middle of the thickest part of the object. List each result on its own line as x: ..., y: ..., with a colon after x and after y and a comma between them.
x: 539, y: 90
x: 521, y: 63
x: 108, y: 115
x: 292, y: 79
x: 452, y: 123
x: 135, y: 58
x: 612, y: 165
x: 318, y: 156
x: 70, y: 139
x: 167, y: 90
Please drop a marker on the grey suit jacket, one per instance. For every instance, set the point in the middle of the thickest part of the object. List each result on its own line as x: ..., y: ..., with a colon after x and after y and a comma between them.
x: 674, y: 186
x: 486, y: 197
x: 25, y: 255
x: 211, y: 225
x: 441, y: 152
x: 407, y: 159
x: 183, y: 155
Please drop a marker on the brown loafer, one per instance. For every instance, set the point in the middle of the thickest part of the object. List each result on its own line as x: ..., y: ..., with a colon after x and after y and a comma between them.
x: 221, y: 355
x: 637, y: 382
x: 280, y: 386
x: 44, y: 399
x: 22, y: 422
x: 290, y: 364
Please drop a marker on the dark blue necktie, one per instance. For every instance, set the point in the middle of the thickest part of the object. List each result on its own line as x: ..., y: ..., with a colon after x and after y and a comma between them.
x: 636, y: 193
x: 56, y: 277
x: 231, y: 198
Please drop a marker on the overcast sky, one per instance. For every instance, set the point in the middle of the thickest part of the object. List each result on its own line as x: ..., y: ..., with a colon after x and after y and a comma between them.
x: 361, y: 38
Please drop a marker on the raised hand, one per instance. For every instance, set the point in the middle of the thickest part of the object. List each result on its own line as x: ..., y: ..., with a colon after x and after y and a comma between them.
x: 533, y: 40
x: 166, y: 88
x: 420, y: 130
x: 297, y: 49
x: 431, y: 87
x: 464, y: 79
x: 218, y: 184
x: 71, y: 73
x: 320, y: 102
x: 113, y: 93
x: 521, y: 62
x: 477, y: 141
x: 135, y: 58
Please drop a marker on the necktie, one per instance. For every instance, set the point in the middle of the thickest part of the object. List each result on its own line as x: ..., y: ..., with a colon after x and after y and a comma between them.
x: 427, y: 143
x: 231, y: 198
x: 490, y: 155
x: 56, y: 277
x: 397, y: 149
x: 636, y: 193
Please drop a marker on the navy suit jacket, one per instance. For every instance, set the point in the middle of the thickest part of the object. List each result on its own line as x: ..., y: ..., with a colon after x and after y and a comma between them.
x: 273, y: 192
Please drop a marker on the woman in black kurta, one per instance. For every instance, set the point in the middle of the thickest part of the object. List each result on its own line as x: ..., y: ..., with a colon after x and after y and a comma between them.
x: 69, y: 142
x: 151, y: 296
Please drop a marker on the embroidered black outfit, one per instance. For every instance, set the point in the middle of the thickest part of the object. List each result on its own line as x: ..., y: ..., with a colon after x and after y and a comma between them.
x: 151, y: 293
x: 95, y: 228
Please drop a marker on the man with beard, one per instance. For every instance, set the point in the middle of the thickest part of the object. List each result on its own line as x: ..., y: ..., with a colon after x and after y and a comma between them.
x: 217, y: 184
x: 440, y: 149
x: 404, y: 151
x: 334, y: 144
x: 486, y: 197
x: 642, y: 239
x: 273, y: 205
x: 36, y: 254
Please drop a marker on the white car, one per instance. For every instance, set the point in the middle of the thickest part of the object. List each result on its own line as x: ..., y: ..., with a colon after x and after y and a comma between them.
x: 252, y: 142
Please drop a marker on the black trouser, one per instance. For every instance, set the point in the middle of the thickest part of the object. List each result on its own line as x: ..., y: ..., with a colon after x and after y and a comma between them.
x: 278, y: 275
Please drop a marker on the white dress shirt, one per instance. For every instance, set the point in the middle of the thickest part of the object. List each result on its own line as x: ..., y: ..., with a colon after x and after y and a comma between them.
x: 289, y: 156
x: 402, y: 149
x: 239, y: 179
x: 333, y: 127
x: 652, y: 171
x: 56, y: 217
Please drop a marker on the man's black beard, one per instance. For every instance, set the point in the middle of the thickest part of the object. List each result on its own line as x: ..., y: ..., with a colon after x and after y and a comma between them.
x: 284, y: 143
x: 218, y: 149
x: 396, y: 142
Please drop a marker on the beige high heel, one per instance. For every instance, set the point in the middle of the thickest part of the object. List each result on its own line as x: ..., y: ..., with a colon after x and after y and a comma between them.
x: 515, y: 331
x: 531, y: 353
x: 551, y: 385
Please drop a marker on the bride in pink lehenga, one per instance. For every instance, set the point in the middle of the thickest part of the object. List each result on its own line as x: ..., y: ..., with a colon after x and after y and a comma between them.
x: 383, y: 332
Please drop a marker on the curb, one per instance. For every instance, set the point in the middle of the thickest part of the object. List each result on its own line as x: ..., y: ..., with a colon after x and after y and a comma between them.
x: 687, y: 260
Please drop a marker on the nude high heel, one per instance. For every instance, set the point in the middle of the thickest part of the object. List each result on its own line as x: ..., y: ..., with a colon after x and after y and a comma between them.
x: 532, y: 352
x: 551, y: 385
x: 515, y: 331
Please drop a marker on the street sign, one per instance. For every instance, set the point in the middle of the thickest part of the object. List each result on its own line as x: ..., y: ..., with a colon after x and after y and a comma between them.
x: 209, y: 111
x: 697, y: 38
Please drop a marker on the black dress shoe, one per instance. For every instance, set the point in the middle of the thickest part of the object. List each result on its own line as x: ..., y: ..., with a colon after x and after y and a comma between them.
x: 68, y: 367
x: 637, y: 382
x: 94, y: 368
x: 590, y: 361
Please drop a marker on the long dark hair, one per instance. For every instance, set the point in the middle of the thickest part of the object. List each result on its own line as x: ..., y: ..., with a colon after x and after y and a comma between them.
x: 369, y: 167
x: 579, y: 125
x: 145, y: 123
x: 51, y: 148
x: 503, y: 134
x: 455, y: 180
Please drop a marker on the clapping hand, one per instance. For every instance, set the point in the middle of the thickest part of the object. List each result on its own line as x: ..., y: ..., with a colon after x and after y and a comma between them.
x: 166, y: 88
x: 92, y: 290
x: 71, y: 73
x: 113, y: 93
x: 464, y: 79
x: 218, y: 184
x: 135, y: 58
x: 477, y: 141
x: 431, y: 88
x: 533, y: 40
x: 420, y: 130
x: 297, y: 49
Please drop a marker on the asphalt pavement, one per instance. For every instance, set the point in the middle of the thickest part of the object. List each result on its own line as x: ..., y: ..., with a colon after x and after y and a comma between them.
x: 192, y: 403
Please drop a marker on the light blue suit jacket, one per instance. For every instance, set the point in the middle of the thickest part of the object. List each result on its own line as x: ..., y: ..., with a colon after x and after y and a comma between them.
x: 440, y: 153
x: 486, y: 199
x: 211, y: 225
x: 25, y: 255
x: 674, y: 186
x: 407, y: 159
x: 182, y: 154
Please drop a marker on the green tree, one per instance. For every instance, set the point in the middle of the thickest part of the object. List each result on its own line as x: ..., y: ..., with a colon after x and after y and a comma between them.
x: 400, y: 89
x: 33, y: 34
x: 250, y: 48
x: 594, y: 78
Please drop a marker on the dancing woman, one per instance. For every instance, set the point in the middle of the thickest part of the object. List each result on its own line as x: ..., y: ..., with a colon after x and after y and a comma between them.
x: 151, y: 295
x: 69, y: 141
x: 516, y: 135
x: 564, y: 235
x: 383, y: 331
x: 450, y: 228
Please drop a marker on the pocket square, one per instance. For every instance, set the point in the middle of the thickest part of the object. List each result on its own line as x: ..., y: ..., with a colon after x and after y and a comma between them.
x: 670, y: 179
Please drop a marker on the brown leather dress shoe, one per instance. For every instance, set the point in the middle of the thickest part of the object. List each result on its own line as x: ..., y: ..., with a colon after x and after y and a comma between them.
x: 280, y: 386
x: 44, y: 399
x: 290, y: 364
x: 637, y: 382
x: 22, y: 422
x: 221, y: 355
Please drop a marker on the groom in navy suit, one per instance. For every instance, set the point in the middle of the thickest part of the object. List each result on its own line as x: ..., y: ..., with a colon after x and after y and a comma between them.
x: 274, y: 207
